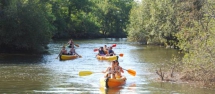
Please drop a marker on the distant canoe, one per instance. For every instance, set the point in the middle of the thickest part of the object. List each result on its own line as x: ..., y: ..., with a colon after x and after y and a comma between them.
x: 68, y: 57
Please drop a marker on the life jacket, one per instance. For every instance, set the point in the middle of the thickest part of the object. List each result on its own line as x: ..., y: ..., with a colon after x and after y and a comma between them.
x: 111, y: 52
x: 101, y: 52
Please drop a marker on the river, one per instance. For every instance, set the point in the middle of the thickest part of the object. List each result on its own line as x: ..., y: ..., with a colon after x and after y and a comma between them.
x: 21, y: 73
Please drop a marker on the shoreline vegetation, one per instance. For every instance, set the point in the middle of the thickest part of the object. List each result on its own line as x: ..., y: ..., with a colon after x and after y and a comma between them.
x: 175, y: 71
x: 187, y: 25
x: 183, y: 78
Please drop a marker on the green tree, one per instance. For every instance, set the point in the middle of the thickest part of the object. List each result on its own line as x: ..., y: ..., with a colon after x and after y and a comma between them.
x: 74, y: 18
x: 196, y: 38
x: 113, y: 16
x: 153, y: 21
x: 23, y: 26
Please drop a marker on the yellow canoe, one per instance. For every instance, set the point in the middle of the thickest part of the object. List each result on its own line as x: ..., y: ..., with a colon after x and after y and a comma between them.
x: 111, y: 58
x: 110, y: 83
x: 67, y: 57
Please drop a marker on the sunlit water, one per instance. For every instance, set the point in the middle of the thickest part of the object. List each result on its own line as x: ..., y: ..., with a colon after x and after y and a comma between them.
x: 45, y: 74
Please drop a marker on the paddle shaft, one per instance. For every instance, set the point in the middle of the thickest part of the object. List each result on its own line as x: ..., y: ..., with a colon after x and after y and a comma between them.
x: 58, y: 55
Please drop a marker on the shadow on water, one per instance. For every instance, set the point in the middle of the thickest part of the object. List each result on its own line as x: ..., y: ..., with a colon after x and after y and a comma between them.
x: 21, y: 58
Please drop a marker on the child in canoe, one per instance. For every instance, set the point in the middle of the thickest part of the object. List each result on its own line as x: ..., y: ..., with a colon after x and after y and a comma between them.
x: 118, y: 70
x: 110, y: 71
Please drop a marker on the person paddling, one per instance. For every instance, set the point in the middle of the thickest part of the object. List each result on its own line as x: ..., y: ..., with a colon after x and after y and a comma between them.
x: 73, y: 52
x: 118, y: 70
x: 101, y: 51
x: 110, y: 71
x: 111, y: 52
x: 63, y: 51
x: 71, y: 43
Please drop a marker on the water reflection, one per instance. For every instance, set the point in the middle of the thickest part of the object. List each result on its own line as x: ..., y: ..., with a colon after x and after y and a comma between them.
x: 110, y: 90
x: 20, y: 58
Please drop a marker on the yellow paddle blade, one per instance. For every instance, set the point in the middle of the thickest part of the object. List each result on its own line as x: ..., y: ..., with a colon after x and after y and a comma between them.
x: 131, y: 72
x: 76, y: 45
x: 85, y: 73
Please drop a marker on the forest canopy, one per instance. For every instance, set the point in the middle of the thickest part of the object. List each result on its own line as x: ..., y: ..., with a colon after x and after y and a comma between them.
x: 27, y: 25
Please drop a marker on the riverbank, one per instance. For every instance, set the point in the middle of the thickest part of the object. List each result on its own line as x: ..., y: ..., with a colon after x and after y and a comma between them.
x: 183, y: 78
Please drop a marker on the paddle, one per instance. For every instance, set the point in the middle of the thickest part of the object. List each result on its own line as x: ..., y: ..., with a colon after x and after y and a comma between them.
x: 86, y: 73
x: 114, y: 45
x: 76, y: 45
x: 79, y: 55
x: 96, y: 49
x: 58, y: 55
x: 131, y: 72
x: 121, y: 54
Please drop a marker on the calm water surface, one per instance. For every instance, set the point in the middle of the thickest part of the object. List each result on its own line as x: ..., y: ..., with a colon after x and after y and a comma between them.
x: 44, y: 74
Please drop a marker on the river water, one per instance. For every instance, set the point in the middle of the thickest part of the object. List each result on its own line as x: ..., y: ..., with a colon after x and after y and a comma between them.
x: 38, y: 74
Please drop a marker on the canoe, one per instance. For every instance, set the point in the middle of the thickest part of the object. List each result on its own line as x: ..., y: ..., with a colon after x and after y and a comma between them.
x: 111, y: 58
x: 110, y: 83
x: 67, y: 57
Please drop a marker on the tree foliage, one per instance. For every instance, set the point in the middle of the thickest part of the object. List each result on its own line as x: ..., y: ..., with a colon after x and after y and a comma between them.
x: 196, y: 38
x: 153, y: 21
x: 86, y: 18
x: 112, y: 16
x: 23, y: 24
x: 187, y: 24
x: 29, y: 24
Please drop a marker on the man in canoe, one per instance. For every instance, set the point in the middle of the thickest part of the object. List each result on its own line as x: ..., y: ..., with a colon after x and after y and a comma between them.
x: 71, y: 43
x: 73, y: 52
x: 111, y: 52
x: 63, y: 51
x: 101, y: 52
